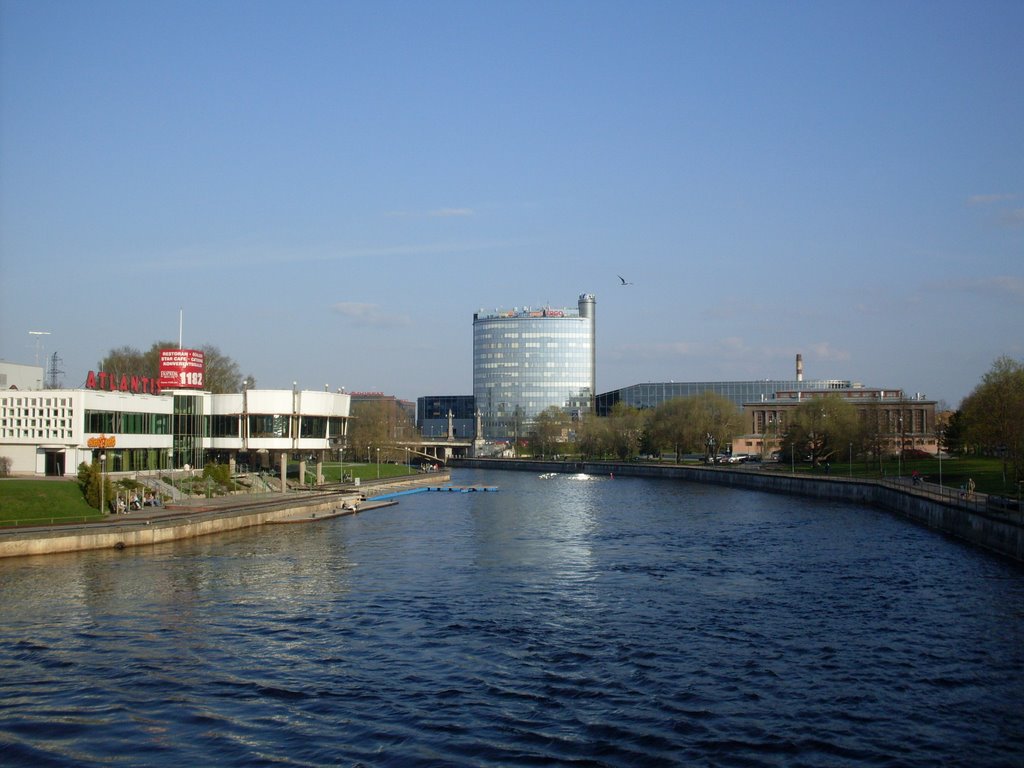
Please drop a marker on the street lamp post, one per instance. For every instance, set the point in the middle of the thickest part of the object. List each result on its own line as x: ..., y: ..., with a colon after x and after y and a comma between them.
x: 103, y: 483
x: 341, y: 461
x: 378, y: 463
x: 767, y: 452
x: 899, y: 453
x: 408, y: 468
x: 851, y: 459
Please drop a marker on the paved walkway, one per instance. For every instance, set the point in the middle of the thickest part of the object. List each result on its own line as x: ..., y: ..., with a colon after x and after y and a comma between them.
x: 201, y: 507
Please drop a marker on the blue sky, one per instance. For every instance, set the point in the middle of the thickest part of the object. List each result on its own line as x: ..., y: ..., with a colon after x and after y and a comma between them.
x: 327, y: 191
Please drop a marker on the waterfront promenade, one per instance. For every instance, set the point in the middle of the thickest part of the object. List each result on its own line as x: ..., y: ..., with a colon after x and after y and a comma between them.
x: 188, y: 518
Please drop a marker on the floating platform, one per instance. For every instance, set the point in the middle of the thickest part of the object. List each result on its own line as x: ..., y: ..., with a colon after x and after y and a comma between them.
x: 463, y: 488
x: 439, y: 489
x: 312, y: 517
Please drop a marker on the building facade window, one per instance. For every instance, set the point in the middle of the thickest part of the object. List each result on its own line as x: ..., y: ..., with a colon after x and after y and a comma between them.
x: 267, y: 425
x: 313, y: 427
x: 515, y: 382
x: 224, y: 426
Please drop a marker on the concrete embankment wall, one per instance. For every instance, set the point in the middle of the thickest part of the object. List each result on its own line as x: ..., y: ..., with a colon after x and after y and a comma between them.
x: 994, y: 532
x: 183, y: 524
x: 134, y: 534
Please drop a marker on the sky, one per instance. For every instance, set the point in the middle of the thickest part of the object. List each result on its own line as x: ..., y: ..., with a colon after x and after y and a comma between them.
x: 327, y: 192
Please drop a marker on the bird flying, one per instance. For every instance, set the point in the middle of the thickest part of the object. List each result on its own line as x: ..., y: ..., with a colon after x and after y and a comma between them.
x: 624, y: 281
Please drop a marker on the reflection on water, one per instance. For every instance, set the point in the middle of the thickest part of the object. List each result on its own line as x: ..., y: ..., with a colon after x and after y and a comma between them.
x: 597, y: 620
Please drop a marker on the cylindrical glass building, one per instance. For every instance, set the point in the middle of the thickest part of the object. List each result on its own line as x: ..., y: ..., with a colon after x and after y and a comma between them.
x: 526, y: 360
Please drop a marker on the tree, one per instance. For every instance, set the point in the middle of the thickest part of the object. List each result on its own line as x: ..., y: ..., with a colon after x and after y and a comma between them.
x: 593, y: 436
x: 379, y: 424
x: 549, y: 430
x: 124, y: 360
x: 954, y: 435
x: 221, y: 374
x: 676, y: 424
x: 994, y: 414
x: 626, y: 426
x: 91, y: 479
x: 823, y: 427
x: 368, y: 427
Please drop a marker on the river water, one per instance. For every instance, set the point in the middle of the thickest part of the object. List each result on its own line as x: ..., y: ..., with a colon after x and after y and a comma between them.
x: 570, y: 621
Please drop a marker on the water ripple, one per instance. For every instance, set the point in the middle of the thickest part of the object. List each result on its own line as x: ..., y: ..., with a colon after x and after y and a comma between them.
x: 561, y: 622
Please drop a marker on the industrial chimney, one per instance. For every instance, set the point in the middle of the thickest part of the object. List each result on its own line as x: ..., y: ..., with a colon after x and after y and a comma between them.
x: 799, y: 367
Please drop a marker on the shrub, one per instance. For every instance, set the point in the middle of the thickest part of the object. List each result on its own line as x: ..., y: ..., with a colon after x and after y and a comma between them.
x: 89, y: 477
x: 219, y: 473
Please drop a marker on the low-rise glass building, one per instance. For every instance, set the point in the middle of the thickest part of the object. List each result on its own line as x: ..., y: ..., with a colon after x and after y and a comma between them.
x: 432, y: 416
x: 653, y: 394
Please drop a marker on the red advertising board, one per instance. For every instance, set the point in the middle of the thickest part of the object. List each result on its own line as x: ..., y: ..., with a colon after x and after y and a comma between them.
x: 181, y: 369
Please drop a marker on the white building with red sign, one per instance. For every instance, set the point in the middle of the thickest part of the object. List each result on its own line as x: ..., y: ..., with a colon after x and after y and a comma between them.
x: 50, y: 432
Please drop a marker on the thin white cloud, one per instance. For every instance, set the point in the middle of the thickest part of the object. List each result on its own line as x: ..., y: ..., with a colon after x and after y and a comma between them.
x: 436, y: 213
x: 445, y: 213
x: 734, y: 346
x: 729, y: 352
x: 660, y: 350
x: 989, y: 199
x: 217, y: 257
x: 1014, y: 218
x: 365, y: 315
x: 998, y: 287
x: 824, y: 351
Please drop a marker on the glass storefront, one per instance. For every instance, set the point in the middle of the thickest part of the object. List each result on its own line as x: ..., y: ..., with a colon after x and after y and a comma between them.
x: 188, y: 430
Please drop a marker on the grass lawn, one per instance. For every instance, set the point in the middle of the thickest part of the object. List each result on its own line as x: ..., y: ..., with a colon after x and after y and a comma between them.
x: 42, y: 502
x: 986, y: 473
x: 332, y: 471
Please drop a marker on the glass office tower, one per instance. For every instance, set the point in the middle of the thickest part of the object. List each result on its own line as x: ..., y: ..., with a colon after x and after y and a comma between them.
x: 527, y: 360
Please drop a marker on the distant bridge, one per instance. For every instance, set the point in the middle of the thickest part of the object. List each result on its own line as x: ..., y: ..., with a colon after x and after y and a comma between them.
x: 440, y: 450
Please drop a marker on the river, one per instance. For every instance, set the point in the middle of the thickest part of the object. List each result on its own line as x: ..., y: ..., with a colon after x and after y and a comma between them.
x: 585, y: 621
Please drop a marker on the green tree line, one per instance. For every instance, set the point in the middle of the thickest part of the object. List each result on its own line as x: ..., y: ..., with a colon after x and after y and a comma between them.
x: 989, y: 422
